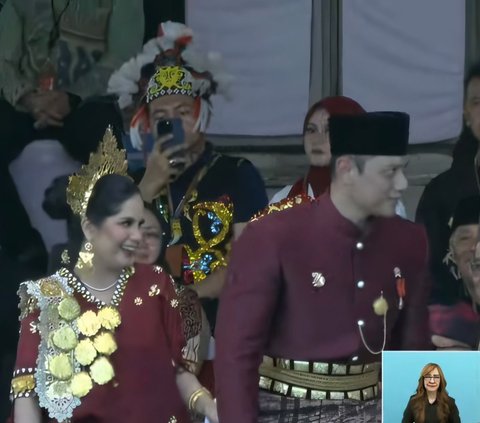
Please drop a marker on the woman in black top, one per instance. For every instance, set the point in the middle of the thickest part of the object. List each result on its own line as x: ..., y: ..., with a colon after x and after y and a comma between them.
x: 431, y: 403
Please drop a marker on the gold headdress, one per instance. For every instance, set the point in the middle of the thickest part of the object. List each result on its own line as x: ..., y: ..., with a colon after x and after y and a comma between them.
x: 106, y: 160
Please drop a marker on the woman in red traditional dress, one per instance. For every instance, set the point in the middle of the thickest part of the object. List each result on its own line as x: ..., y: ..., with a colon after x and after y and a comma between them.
x: 102, y: 340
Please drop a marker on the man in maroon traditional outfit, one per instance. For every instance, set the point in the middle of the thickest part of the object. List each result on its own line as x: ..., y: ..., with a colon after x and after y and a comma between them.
x: 321, y: 289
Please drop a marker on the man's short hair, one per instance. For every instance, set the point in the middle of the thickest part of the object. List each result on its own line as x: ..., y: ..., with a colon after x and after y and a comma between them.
x: 358, y: 160
x: 473, y: 73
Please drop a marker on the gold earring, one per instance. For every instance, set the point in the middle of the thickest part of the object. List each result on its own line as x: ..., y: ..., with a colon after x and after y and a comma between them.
x: 65, y: 257
x: 85, y: 257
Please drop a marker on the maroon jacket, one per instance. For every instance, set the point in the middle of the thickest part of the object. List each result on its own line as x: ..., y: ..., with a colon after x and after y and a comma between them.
x: 269, y: 305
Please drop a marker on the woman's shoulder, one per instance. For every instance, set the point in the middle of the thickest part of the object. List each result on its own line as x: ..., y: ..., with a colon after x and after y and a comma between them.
x: 451, y: 400
x: 34, y: 293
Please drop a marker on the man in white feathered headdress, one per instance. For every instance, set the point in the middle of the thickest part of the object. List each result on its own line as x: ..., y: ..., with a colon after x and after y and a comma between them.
x: 204, y: 198
x: 170, y: 79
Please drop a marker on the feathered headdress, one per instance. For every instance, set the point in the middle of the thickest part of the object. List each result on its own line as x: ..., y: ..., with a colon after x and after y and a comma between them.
x: 176, y: 68
x: 106, y: 160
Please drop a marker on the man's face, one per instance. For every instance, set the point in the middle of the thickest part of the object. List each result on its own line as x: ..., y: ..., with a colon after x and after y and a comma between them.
x: 472, y: 106
x: 175, y: 106
x: 377, y: 189
x: 464, y: 243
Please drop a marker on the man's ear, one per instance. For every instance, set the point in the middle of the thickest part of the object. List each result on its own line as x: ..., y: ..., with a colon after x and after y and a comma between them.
x: 345, y: 167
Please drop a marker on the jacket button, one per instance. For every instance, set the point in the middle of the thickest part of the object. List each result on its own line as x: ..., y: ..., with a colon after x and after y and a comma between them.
x: 359, y: 246
x: 360, y: 284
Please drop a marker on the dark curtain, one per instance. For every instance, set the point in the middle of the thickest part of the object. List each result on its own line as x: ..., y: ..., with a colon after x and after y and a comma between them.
x: 157, y: 11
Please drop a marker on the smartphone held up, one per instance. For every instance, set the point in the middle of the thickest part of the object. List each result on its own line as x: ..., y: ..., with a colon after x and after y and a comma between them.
x: 174, y: 127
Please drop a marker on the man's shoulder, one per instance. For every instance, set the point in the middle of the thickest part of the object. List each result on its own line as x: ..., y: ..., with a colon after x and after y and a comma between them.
x: 406, y: 238
x: 403, y: 231
x: 230, y: 161
x: 285, y: 219
x: 443, y: 180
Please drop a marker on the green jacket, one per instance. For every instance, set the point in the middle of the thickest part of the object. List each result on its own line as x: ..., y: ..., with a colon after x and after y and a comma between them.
x: 95, y: 37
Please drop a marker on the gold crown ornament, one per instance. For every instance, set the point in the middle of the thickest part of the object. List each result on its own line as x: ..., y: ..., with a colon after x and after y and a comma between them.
x: 108, y: 159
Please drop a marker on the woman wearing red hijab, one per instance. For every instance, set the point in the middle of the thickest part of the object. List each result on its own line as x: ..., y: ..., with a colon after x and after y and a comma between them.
x: 316, y: 142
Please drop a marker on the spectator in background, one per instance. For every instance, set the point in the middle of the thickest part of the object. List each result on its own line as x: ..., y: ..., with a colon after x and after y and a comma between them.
x: 55, y: 60
x: 203, y: 197
x: 316, y: 142
x: 457, y: 326
x: 442, y: 194
x: 152, y: 248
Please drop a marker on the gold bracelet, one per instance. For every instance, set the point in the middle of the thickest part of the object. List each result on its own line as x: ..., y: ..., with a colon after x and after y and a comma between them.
x: 195, y: 396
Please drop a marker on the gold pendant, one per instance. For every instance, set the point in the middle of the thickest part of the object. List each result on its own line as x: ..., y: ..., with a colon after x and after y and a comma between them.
x: 176, y: 231
x: 85, y: 259
x: 380, y: 306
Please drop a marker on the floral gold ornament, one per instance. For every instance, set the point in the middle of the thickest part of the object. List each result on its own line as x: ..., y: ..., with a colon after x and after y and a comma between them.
x: 81, y: 384
x: 101, y: 371
x: 89, y: 323
x: 174, y: 303
x: 59, y: 389
x: 109, y: 318
x: 105, y: 343
x: 60, y: 366
x: 65, y: 257
x: 65, y: 338
x: 154, y: 290
x: 50, y: 288
x: 85, y: 257
x: 69, y: 309
x: 106, y: 160
x: 85, y: 352
x: 138, y: 301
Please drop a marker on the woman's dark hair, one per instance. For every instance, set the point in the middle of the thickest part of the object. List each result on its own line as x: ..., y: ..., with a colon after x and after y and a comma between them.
x: 337, y: 105
x: 467, y: 145
x: 108, y: 195
x: 473, y: 72
x: 164, y: 227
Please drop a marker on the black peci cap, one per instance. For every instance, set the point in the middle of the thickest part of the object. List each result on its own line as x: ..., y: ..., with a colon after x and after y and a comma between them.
x: 371, y: 134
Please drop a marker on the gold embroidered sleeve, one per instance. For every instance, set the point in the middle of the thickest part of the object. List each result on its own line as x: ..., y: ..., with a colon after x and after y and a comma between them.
x: 195, y: 329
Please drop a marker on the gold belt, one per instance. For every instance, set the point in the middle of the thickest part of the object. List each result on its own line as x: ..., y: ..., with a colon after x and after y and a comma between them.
x: 316, y: 380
